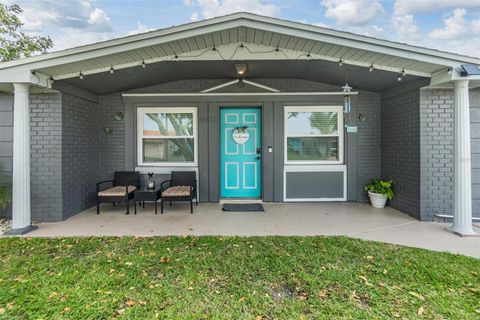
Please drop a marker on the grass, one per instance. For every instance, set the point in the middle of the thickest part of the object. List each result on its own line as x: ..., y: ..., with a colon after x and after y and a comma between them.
x: 232, y: 278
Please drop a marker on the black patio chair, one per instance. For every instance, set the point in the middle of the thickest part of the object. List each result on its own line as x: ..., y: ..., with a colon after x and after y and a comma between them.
x: 182, y: 186
x: 122, y: 188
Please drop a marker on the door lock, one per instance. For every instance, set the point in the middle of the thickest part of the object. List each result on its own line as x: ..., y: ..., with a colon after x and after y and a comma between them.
x: 259, y: 150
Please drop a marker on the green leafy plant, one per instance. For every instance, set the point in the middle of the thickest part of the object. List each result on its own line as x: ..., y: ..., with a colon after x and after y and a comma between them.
x: 15, y: 44
x: 4, y: 189
x: 381, y: 187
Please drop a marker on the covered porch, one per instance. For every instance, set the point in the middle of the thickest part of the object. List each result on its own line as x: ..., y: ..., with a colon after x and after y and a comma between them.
x: 356, y: 220
x: 78, y: 119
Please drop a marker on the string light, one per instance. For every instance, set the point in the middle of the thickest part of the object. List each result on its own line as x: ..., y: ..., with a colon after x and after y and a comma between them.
x: 308, y: 55
x: 450, y: 71
x: 51, y: 80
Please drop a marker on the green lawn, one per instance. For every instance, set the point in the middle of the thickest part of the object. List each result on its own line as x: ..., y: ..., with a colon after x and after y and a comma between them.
x: 232, y: 278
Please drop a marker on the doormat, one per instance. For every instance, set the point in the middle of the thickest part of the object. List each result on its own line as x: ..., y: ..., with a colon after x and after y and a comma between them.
x: 242, y: 207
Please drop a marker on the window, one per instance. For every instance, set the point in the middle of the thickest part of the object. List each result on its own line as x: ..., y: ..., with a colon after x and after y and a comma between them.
x: 313, y: 135
x: 167, y: 136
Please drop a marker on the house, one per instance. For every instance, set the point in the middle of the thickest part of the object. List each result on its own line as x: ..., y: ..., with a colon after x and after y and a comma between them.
x: 258, y: 107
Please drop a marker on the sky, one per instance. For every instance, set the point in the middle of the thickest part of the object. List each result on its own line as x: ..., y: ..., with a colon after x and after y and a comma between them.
x: 449, y: 25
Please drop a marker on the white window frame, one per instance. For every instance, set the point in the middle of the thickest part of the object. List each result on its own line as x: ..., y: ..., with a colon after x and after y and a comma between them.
x: 340, y: 135
x: 140, y: 136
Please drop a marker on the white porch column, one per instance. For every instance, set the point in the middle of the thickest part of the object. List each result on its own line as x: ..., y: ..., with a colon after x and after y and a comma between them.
x: 462, y: 216
x: 21, y: 215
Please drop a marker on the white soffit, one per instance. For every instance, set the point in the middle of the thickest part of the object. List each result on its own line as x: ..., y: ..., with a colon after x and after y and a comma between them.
x: 260, y: 35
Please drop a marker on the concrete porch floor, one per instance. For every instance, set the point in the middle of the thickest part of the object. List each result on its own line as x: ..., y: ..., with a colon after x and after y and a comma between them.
x: 348, y: 219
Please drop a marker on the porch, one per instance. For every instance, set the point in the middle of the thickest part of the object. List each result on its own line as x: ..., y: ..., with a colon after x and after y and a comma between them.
x: 80, y: 115
x: 356, y: 220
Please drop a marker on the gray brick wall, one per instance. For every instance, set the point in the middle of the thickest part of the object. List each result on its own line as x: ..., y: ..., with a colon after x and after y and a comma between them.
x: 80, y: 154
x: 111, y: 146
x: 46, y: 156
x: 437, y: 152
x: 400, y: 149
x: 368, y: 141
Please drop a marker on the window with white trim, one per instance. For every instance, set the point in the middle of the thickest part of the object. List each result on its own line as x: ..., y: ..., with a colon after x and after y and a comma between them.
x: 314, y: 135
x: 167, y: 136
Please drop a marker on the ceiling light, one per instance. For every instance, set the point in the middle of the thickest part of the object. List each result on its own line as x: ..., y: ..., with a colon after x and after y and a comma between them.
x: 143, y: 64
x: 241, y: 69
x: 80, y: 75
x: 111, y: 70
x: 340, y: 63
x: 403, y: 72
x: 371, y: 68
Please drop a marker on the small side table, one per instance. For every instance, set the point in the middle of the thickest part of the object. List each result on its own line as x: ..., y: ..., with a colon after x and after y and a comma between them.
x: 145, y: 194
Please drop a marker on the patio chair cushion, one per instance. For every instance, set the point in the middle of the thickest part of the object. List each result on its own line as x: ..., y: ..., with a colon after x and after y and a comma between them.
x: 177, y: 191
x: 118, y: 191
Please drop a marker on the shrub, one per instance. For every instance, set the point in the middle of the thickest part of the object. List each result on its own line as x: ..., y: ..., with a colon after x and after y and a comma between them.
x: 4, y: 189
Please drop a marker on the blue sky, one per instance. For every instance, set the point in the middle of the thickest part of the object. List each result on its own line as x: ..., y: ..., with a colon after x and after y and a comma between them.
x: 451, y: 25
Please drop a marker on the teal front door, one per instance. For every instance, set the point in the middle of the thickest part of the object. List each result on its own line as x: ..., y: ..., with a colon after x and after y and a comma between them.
x: 240, y: 152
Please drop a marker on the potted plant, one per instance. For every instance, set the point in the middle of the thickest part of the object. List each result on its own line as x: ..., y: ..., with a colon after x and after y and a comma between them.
x: 379, y: 191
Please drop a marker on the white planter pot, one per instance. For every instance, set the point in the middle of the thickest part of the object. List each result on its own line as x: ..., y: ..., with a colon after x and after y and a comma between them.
x: 377, y: 200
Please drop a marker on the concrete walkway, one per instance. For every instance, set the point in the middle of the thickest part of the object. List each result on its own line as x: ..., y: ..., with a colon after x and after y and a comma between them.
x: 348, y: 219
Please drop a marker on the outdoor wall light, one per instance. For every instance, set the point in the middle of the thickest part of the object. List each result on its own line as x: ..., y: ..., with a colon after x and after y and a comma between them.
x: 241, y: 69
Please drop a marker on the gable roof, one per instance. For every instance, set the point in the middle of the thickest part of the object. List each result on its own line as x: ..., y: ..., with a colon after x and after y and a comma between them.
x: 255, y: 30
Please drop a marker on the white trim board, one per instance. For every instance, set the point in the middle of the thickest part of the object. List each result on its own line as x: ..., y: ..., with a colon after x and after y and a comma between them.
x: 229, y: 83
x: 208, y: 94
x: 314, y: 168
x: 139, y: 137
x: 340, y: 135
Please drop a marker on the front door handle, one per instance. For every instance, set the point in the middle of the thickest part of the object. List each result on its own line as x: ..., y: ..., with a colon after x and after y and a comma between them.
x: 258, y: 158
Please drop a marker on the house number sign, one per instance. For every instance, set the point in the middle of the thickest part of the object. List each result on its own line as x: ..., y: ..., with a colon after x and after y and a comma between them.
x: 240, y: 135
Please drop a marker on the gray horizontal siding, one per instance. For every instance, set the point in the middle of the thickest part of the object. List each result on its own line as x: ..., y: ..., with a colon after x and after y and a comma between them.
x: 6, y: 141
x: 475, y: 149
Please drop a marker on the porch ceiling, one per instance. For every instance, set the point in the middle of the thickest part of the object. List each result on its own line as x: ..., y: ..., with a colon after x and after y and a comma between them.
x: 320, y: 71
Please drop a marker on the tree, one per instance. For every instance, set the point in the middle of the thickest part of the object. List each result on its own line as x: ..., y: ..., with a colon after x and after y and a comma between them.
x: 15, y: 44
